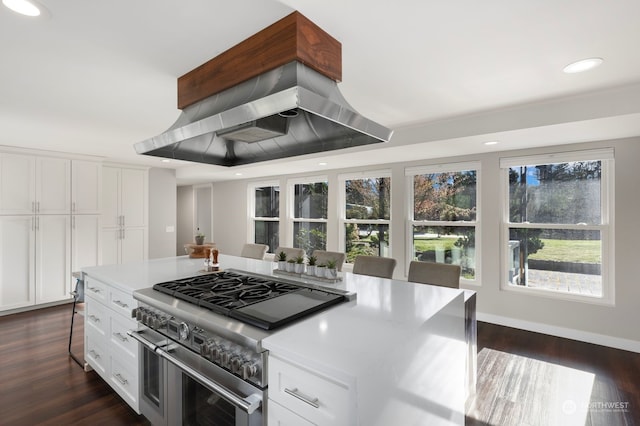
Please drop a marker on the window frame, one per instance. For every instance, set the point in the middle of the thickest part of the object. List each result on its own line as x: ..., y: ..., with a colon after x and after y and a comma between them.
x: 251, y: 209
x: 342, y: 211
x: 290, y: 206
x: 410, y: 173
x: 606, y: 227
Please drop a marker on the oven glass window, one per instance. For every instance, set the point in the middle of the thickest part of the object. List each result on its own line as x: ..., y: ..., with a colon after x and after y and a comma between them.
x: 202, y: 407
x: 153, y: 377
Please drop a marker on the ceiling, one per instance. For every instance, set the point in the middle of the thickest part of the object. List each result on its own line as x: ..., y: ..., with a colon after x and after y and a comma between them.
x: 94, y: 78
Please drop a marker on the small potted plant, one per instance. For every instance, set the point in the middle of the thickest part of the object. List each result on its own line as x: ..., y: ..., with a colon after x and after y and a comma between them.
x: 291, y: 265
x: 282, y: 261
x: 320, y: 270
x: 311, y: 265
x: 331, y: 271
x: 199, y: 237
x: 299, y: 266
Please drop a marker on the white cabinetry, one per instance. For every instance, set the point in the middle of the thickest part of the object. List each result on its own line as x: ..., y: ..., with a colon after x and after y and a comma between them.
x: 124, y: 214
x: 35, y: 260
x: 108, y: 348
x: 34, y: 185
x: 308, y: 396
x: 86, y: 186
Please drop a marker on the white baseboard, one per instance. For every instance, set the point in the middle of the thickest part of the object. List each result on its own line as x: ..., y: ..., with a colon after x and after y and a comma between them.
x: 567, y: 333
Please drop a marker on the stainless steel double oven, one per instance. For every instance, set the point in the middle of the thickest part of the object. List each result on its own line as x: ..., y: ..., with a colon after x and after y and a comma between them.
x: 179, y: 387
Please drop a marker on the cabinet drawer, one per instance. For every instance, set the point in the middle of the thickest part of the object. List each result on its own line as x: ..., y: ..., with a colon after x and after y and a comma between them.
x: 121, y: 340
x: 124, y: 380
x: 95, y: 289
x: 96, y: 353
x: 280, y: 416
x: 97, y: 317
x: 122, y: 302
x: 316, y: 398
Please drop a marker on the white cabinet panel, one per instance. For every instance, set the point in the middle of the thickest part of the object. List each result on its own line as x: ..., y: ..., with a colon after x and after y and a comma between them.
x: 85, y: 242
x: 124, y: 214
x: 17, y: 185
x: 280, y: 416
x: 53, y: 185
x: 133, y: 200
x: 17, y: 254
x: 86, y: 185
x: 53, y: 258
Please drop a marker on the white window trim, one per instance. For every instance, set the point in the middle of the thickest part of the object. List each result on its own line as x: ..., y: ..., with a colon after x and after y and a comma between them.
x: 410, y: 172
x: 290, y: 219
x: 342, y: 201
x: 606, y: 228
x: 251, y: 208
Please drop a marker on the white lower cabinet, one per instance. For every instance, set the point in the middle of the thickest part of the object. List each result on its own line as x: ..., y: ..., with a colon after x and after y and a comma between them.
x: 108, y: 348
x: 296, y: 391
x: 34, y: 260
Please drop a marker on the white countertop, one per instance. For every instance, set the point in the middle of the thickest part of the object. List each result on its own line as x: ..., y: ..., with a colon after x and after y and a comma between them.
x: 400, y: 344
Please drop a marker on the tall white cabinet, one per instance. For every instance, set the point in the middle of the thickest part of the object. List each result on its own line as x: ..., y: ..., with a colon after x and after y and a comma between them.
x: 124, y: 214
x: 35, y: 194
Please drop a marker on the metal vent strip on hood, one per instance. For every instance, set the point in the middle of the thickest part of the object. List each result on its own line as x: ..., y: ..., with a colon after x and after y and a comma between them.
x: 289, y: 111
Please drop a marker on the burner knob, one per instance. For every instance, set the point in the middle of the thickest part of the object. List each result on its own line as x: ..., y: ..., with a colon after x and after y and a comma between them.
x: 183, y: 331
x: 248, y: 370
x: 235, y: 363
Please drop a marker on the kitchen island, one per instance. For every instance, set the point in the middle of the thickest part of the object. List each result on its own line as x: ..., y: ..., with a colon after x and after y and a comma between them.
x: 395, y: 353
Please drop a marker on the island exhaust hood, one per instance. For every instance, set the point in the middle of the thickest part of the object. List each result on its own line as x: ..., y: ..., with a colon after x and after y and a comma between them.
x: 272, y: 96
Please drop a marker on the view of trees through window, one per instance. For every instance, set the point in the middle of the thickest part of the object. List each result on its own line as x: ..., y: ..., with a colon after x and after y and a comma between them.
x: 555, y: 218
x: 310, y: 216
x: 367, y: 216
x: 267, y: 216
x: 444, y: 219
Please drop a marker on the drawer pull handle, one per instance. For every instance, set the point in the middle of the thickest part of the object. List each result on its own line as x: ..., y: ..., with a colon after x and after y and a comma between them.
x: 121, y: 337
x: 121, y: 379
x: 94, y: 354
x: 94, y: 318
x: 119, y: 303
x: 94, y: 289
x: 294, y: 392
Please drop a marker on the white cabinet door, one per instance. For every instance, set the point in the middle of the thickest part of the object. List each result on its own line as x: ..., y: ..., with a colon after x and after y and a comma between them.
x: 53, y: 258
x: 133, y: 245
x: 111, y: 197
x: 133, y: 186
x: 86, y: 185
x: 111, y: 246
x: 85, y: 242
x: 17, y: 279
x: 53, y: 185
x: 17, y: 187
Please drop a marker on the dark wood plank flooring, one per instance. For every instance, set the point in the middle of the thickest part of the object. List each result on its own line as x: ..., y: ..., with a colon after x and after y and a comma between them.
x: 41, y: 385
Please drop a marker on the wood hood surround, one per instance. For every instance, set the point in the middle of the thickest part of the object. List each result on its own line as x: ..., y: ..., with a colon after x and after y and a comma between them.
x: 293, y: 38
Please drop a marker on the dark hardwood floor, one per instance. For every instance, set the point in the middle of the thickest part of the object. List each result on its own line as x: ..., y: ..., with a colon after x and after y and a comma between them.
x: 521, y: 379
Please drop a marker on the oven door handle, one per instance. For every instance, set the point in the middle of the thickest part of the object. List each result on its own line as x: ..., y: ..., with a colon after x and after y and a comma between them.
x: 248, y: 404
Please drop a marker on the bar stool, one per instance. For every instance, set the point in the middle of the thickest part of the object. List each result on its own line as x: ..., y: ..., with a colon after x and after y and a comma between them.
x: 78, y: 297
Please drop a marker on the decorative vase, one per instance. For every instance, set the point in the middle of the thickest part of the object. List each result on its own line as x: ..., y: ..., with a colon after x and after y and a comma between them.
x: 331, y: 273
x: 311, y: 269
x: 320, y: 271
x: 282, y: 265
x: 299, y: 268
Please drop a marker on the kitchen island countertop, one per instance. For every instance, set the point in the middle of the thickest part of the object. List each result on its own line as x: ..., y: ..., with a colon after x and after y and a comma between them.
x: 400, y: 346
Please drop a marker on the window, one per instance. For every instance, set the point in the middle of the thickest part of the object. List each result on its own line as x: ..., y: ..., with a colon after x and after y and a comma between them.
x: 366, y: 214
x: 265, y: 214
x: 556, y: 225
x: 309, y: 216
x: 444, y: 215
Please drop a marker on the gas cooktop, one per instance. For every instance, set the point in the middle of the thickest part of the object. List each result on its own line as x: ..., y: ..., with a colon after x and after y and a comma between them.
x: 264, y: 302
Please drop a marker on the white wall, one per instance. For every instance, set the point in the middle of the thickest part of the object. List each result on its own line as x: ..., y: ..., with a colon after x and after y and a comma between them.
x: 609, y: 325
x: 162, y: 212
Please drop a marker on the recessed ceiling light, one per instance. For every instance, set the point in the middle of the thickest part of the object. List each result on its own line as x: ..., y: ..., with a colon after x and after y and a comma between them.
x: 238, y: 174
x: 23, y: 7
x: 322, y: 163
x: 166, y: 161
x: 582, y: 65
x: 491, y: 143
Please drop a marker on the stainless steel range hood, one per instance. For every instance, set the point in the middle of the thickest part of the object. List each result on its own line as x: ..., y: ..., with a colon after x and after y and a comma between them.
x: 289, y: 111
